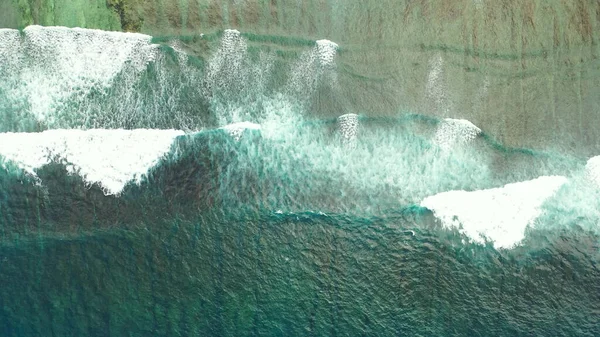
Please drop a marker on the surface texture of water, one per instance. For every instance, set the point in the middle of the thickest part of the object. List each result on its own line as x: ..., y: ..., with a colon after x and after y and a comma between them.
x: 320, y: 168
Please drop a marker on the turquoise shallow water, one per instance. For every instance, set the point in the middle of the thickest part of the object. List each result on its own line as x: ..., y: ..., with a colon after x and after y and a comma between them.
x: 310, y: 225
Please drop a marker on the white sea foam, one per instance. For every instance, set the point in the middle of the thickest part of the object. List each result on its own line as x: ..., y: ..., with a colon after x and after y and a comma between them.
x: 110, y: 158
x: 499, y: 214
x: 10, y: 48
x: 234, y: 80
x: 58, y: 63
x: 326, y: 50
x: 314, y: 67
x: 593, y: 170
x: 453, y: 132
x: 229, y: 58
x: 236, y: 130
x: 348, y: 128
x: 226, y: 67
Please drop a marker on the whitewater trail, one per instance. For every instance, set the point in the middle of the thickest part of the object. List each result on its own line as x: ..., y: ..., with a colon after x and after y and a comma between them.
x: 436, y: 88
x: 56, y: 64
x: 593, y: 170
x: 326, y: 51
x: 455, y: 132
x: 110, y: 158
x: 227, y: 68
x: 498, y: 214
x: 314, y: 68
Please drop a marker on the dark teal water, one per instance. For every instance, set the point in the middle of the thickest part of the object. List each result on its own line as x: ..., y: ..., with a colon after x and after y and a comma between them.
x: 177, y: 256
x: 293, y: 230
x: 295, y: 275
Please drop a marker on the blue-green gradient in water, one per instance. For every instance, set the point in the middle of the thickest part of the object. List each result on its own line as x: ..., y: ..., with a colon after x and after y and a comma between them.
x: 299, y: 228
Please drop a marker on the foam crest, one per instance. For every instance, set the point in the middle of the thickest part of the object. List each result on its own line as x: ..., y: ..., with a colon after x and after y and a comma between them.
x: 498, y: 214
x: 348, y: 128
x: 455, y: 132
x: 326, y: 50
x: 59, y: 63
x: 226, y: 67
x: 234, y: 81
x: 111, y: 158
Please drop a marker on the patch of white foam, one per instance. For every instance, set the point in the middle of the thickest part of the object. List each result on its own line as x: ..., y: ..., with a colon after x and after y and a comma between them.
x: 315, y: 67
x: 234, y: 80
x: 453, y: 132
x: 348, y: 128
x: 326, y: 50
x: 111, y: 158
x: 499, y: 214
x: 226, y: 67
x: 592, y: 169
x: 57, y: 63
x: 236, y: 130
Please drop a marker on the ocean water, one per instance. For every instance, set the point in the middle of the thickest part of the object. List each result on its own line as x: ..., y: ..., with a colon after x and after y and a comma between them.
x: 148, y: 189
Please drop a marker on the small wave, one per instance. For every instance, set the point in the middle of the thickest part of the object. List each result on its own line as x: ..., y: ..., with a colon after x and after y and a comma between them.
x: 327, y: 51
x: 110, y: 158
x: 315, y: 68
x: 455, y: 132
x: 297, y: 168
x: 499, y: 214
x: 55, y: 64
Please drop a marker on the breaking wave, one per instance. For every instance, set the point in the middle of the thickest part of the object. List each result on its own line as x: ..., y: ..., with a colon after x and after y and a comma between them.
x: 393, y: 164
x: 243, y: 127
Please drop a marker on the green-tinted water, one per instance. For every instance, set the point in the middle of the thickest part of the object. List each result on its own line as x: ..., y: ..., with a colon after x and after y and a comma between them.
x: 527, y: 72
x: 220, y: 240
x: 293, y: 205
x: 295, y: 275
